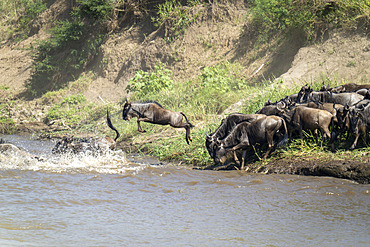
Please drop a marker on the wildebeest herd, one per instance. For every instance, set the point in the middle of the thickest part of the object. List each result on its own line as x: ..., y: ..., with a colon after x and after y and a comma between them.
x: 332, y: 111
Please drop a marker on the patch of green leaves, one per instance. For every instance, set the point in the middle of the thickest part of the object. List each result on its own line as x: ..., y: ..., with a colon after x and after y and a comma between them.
x: 73, y: 44
x: 95, y: 9
x: 146, y: 84
x: 272, y: 17
x: 175, y: 18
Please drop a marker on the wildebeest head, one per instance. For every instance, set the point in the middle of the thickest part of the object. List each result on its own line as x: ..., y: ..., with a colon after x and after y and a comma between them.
x: 342, y: 117
x: 126, y: 111
x: 354, y: 116
x: 220, y: 154
x: 303, y: 93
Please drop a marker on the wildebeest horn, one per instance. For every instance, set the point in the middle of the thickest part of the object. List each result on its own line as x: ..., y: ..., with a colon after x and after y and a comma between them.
x: 281, y: 105
x: 218, y: 141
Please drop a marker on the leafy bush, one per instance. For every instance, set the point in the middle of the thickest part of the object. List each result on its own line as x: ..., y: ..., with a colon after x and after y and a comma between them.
x: 7, y: 125
x: 95, y: 9
x: 219, y: 86
x: 16, y: 17
x: 71, y: 47
x: 73, y: 110
x: 32, y: 9
x: 145, y: 84
x: 175, y: 17
x: 272, y: 17
x: 211, y: 92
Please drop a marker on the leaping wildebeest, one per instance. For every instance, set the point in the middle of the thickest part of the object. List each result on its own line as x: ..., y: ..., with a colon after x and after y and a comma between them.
x: 153, y: 112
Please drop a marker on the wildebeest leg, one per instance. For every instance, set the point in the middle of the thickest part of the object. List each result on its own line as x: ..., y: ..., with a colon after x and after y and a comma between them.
x: 301, y: 134
x: 355, y: 142
x: 236, y: 157
x: 243, y: 160
x: 361, y: 130
x: 188, y: 138
x: 326, y: 132
x: 138, y: 123
x: 187, y: 127
x: 139, y: 127
x: 241, y: 145
x: 270, y: 142
x: 268, y: 152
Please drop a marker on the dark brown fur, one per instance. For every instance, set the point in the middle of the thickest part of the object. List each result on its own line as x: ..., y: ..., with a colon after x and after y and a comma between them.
x: 350, y: 87
x: 246, y: 134
x: 226, y: 127
x: 152, y: 112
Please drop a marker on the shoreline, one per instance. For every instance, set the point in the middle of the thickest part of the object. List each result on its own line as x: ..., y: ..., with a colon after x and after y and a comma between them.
x: 354, y: 170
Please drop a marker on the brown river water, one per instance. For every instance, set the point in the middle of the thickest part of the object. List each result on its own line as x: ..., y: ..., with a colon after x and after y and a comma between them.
x: 116, y: 200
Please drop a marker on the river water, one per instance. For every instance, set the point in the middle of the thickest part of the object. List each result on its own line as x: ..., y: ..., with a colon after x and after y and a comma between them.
x: 109, y: 200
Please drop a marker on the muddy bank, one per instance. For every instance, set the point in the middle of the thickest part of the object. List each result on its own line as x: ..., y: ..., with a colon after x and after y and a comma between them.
x: 355, y: 170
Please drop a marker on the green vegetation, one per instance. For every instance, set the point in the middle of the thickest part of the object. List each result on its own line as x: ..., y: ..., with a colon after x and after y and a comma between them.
x: 74, y: 111
x: 7, y: 124
x: 16, y: 17
x: 274, y: 17
x: 144, y: 84
x: 175, y: 17
x: 72, y: 46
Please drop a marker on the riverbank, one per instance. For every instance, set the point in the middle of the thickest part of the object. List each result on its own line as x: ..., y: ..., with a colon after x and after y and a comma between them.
x: 352, y: 165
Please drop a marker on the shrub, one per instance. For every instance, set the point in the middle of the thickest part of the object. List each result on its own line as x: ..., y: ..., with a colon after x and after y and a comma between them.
x: 175, y: 17
x: 71, y: 47
x: 272, y: 17
x: 146, y: 84
x: 95, y: 9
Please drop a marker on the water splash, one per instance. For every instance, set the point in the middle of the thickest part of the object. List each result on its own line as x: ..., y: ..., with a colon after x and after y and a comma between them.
x: 111, y: 162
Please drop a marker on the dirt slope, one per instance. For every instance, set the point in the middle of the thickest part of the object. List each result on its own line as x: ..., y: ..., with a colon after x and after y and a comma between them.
x: 219, y: 33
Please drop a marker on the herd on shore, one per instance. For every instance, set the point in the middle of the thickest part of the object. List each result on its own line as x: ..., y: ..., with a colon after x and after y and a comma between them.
x: 330, y: 111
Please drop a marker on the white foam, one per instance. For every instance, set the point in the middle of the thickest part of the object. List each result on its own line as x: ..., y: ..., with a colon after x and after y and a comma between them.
x: 112, y: 162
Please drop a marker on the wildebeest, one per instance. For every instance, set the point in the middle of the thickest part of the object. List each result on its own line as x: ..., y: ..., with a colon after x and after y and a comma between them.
x: 246, y: 134
x: 359, y: 122
x: 226, y: 126
x: 271, y: 108
x: 330, y: 107
x: 303, y: 93
x: 153, y: 112
x: 349, y: 87
x: 338, y: 98
x: 82, y: 145
x: 304, y: 118
x: 364, y: 92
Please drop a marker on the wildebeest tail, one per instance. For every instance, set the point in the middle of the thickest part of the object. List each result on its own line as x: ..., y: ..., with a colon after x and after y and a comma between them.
x: 285, y: 138
x: 191, y: 126
x: 110, y: 125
